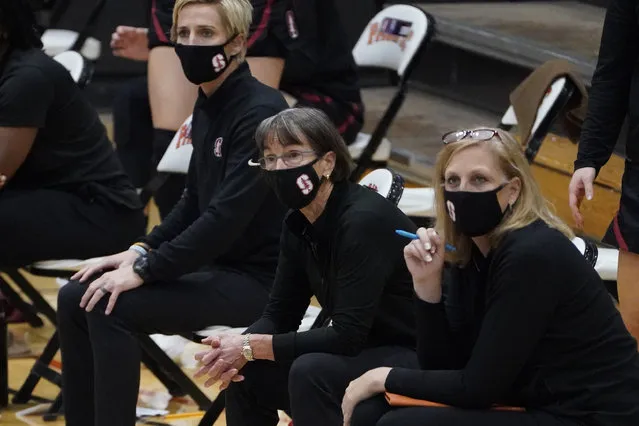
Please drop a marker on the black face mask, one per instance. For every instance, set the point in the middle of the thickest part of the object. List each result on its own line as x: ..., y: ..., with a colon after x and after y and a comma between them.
x: 296, y: 187
x: 203, y: 63
x: 474, y: 213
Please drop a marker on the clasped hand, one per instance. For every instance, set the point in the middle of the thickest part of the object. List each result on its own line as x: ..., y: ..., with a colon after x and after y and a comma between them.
x: 223, y: 362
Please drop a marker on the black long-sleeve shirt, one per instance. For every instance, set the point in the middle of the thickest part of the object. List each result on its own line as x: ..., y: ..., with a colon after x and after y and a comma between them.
x: 352, y: 261
x: 615, y: 89
x: 532, y: 325
x: 227, y: 216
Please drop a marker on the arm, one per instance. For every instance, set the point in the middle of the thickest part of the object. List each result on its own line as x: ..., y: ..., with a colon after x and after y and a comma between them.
x: 519, y: 308
x: 611, y: 81
x: 289, y: 297
x: 437, y: 348
x: 357, y: 289
x: 229, y: 212
x: 25, y: 98
x: 185, y: 212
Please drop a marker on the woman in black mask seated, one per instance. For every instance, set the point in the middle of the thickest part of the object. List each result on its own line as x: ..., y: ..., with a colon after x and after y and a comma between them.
x: 514, y: 317
x: 212, y: 261
x: 338, y: 244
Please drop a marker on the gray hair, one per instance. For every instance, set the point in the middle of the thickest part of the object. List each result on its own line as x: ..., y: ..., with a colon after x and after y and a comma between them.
x: 291, y: 125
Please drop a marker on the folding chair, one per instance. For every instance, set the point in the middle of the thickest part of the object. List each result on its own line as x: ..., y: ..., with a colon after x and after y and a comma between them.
x: 56, y: 41
x: 393, y: 39
x: 419, y: 203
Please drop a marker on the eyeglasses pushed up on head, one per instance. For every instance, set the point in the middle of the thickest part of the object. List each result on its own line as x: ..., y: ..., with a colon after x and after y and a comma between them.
x: 292, y: 158
x: 474, y: 134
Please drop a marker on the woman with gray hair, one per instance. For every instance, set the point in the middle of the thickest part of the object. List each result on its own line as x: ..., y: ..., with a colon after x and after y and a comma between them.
x: 338, y: 244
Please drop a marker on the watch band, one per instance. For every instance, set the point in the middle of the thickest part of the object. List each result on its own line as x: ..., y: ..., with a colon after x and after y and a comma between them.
x: 247, y: 351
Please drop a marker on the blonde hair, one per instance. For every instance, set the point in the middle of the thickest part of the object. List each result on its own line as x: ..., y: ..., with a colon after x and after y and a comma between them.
x: 236, y: 17
x: 529, y: 206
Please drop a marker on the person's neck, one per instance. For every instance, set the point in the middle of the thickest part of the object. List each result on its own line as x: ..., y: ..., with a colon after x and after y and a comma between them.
x: 483, y: 244
x: 317, y: 206
x: 211, y: 86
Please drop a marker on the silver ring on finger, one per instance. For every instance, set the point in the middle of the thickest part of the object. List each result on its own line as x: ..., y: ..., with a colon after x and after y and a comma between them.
x: 104, y: 290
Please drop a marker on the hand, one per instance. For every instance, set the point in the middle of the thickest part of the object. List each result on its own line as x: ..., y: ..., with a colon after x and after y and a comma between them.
x: 114, y: 282
x: 369, y: 384
x: 580, y: 184
x: 130, y: 43
x: 223, y: 361
x: 3, y: 180
x: 425, y: 261
x: 115, y: 261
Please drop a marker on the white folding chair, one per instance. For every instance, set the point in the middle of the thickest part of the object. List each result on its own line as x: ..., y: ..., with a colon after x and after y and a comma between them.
x: 392, y: 40
x: 81, y: 69
x: 56, y: 41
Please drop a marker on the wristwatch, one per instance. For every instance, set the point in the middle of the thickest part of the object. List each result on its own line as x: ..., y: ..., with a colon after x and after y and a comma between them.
x: 141, y: 268
x: 247, y: 351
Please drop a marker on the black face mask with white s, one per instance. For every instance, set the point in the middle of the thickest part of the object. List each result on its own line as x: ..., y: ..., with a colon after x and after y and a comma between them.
x: 475, y: 213
x: 295, y: 187
x: 202, y: 64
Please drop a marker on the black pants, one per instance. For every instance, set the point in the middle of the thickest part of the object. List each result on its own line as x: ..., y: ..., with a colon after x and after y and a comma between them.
x: 311, y: 389
x: 140, y: 146
x: 377, y: 412
x: 47, y: 224
x: 101, y: 355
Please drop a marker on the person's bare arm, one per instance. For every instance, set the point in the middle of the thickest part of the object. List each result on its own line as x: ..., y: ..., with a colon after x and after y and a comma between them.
x: 15, y: 144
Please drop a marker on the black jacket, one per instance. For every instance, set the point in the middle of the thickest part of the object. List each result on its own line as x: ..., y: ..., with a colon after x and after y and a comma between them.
x: 353, y: 262
x: 532, y: 325
x: 228, y: 217
x: 615, y: 89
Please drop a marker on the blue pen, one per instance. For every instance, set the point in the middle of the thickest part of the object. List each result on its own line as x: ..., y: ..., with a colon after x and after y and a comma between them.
x: 415, y: 237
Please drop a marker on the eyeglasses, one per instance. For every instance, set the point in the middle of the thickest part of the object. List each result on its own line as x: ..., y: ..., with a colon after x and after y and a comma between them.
x: 291, y: 159
x: 475, y: 134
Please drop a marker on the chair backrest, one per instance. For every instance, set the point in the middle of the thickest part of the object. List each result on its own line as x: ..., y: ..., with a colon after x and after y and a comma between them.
x: 393, y: 37
x: 385, y: 183
x: 177, y: 156
x: 550, y: 108
x: 552, y: 95
x: 603, y: 260
x: 80, y: 69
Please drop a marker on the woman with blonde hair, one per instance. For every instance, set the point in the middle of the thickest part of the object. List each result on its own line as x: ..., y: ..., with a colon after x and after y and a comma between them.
x: 513, y: 317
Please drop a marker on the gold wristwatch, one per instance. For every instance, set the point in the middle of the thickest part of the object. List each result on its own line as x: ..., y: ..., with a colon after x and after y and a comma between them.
x: 247, y: 351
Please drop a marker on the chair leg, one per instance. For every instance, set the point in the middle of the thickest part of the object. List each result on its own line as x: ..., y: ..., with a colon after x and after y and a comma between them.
x: 155, y: 368
x: 214, y: 412
x: 174, y: 371
x: 28, y: 310
x: 40, y: 370
x: 56, y: 410
x: 38, y: 301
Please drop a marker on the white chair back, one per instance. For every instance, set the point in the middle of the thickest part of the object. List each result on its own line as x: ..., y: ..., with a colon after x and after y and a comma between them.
x: 75, y: 64
x: 177, y: 156
x: 386, y: 183
x: 392, y: 38
x: 56, y: 41
x: 552, y: 96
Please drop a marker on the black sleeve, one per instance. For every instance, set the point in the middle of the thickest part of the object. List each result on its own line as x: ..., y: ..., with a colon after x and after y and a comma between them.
x: 185, y: 212
x: 519, y: 307
x: 438, y: 347
x: 608, y: 103
x: 306, y: 54
x: 25, y: 98
x: 290, y: 295
x: 363, y: 269
x: 229, y: 212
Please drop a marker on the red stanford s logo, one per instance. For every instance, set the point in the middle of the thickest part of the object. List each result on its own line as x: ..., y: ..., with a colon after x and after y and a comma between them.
x: 305, y: 184
x: 219, y: 62
x: 217, y: 149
